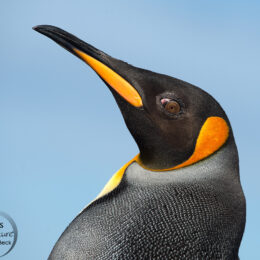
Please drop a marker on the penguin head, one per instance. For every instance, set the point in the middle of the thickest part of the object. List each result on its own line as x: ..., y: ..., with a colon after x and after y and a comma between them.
x: 173, y: 122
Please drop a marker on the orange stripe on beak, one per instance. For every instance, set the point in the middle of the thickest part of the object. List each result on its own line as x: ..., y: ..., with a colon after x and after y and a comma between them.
x: 119, y: 84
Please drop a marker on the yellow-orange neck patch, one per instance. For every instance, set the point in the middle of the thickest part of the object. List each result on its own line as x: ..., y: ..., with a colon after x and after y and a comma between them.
x: 115, y: 179
x: 212, y: 136
x: 118, y: 83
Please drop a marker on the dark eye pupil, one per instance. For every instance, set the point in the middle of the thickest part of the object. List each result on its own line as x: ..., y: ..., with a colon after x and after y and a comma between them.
x: 172, y: 107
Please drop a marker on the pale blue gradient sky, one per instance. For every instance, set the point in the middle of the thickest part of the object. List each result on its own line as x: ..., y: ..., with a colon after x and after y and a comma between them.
x: 61, y: 133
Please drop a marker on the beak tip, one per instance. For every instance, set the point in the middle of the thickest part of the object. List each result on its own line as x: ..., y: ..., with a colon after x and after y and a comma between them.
x: 41, y: 28
x: 35, y: 28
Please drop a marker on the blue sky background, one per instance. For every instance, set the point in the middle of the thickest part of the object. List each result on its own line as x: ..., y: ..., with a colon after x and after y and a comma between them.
x: 61, y: 133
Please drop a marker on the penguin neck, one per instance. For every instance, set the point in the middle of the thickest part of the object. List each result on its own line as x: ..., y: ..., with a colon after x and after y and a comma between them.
x: 214, y: 133
x: 162, y: 157
x: 222, y: 166
x: 164, y: 162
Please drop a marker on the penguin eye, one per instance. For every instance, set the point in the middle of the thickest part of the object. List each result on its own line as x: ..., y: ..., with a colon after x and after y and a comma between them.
x: 171, y: 106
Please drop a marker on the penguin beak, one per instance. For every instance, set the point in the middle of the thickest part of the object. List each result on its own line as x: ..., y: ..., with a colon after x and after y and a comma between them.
x: 105, y: 66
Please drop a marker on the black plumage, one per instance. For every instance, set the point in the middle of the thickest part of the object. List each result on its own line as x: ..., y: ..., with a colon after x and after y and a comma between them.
x: 155, y: 211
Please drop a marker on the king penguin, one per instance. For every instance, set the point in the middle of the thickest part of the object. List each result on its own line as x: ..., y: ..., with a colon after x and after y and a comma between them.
x: 180, y: 197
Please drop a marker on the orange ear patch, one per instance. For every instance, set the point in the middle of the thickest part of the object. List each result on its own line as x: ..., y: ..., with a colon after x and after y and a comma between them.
x: 213, y: 134
x: 118, y: 83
